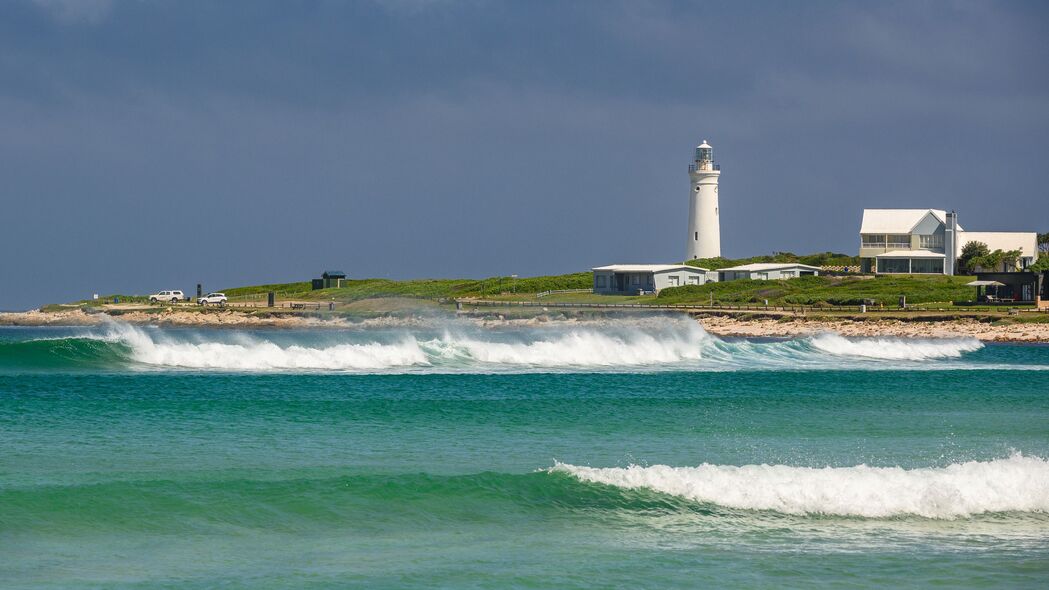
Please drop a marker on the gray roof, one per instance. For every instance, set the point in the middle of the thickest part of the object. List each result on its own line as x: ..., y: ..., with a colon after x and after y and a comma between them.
x: 767, y: 266
x: 648, y: 267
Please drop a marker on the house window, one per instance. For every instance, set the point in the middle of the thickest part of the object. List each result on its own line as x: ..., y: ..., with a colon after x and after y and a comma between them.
x: 894, y: 265
x: 674, y: 280
x: 873, y: 240
x: 693, y: 280
x: 927, y: 265
x: 763, y: 276
x: 788, y: 274
x: 636, y: 279
x: 898, y: 241
x: 930, y: 242
x: 601, y: 280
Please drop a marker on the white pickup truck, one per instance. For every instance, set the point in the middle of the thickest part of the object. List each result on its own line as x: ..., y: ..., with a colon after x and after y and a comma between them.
x: 167, y: 296
x: 212, y: 299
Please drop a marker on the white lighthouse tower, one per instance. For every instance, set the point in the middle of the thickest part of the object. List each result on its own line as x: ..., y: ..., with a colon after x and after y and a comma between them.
x: 704, y: 225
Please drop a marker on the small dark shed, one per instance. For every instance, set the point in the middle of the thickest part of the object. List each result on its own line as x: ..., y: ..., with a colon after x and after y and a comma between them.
x: 329, y: 279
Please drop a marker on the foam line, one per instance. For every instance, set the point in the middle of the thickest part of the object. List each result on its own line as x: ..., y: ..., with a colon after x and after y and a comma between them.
x: 1013, y: 484
x: 654, y: 343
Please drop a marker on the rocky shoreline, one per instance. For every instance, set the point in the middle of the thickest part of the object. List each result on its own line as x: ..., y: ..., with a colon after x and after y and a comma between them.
x: 750, y: 327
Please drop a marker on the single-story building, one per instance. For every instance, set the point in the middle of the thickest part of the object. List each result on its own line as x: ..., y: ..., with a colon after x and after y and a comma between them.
x: 329, y: 279
x: 631, y: 279
x: 767, y: 271
x: 1024, y: 286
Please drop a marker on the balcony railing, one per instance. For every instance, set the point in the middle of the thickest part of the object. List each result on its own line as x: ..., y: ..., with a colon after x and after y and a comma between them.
x: 692, y: 167
x: 893, y: 245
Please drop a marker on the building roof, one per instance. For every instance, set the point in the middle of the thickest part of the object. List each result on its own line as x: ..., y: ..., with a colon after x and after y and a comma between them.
x: 648, y: 267
x: 896, y: 221
x: 1025, y: 242
x: 766, y: 266
x: 910, y: 254
x: 334, y: 274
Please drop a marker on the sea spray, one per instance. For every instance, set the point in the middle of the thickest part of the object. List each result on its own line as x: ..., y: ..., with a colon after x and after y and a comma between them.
x: 904, y: 349
x: 1014, y: 484
x: 621, y: 344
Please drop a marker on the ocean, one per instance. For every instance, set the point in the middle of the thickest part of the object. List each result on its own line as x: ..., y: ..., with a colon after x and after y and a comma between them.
x: 624, y: 453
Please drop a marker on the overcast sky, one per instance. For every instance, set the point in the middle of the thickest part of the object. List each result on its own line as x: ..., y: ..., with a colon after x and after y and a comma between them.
x: 149, y: 145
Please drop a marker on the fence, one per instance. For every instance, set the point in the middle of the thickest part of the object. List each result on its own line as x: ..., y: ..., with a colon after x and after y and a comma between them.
x: 542, y: 294
x: 772, y: 308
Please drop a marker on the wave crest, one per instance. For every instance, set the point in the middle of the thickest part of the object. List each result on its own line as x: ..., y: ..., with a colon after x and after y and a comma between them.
x: 904, y: 349
x: 655, y: 343
x: 1013, y: 484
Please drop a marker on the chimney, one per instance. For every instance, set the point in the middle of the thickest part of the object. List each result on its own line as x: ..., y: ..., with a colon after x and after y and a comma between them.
x: 950, y: 244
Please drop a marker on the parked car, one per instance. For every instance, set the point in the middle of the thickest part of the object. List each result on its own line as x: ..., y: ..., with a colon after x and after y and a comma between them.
x: 212, y: 299
x: 172, y: 296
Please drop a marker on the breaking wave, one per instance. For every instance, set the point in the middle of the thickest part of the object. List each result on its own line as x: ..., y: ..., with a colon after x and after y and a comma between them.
x: 1014, y: 484
x: 642, y: 344
x: 895, y: 348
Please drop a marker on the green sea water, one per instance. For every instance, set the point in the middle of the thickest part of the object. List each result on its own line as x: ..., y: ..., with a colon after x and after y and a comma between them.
x: 630, y: 453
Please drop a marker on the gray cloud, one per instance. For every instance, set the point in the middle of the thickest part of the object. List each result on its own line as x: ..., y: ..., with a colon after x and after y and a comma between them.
x: 269, y: 140
x: 77, y: 11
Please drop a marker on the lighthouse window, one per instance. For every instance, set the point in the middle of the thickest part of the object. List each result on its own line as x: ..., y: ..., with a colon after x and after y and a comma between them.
x: 697, y: 236
x: 697, y: 189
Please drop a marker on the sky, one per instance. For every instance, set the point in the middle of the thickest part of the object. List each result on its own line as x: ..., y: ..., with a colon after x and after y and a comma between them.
x: 148, y: 145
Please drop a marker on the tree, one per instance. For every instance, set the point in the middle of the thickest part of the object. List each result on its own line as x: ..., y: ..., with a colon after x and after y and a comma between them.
x: 997, y: 261
x: 1009, y: 259
x: 1043, y: 244
x: 973, y: 254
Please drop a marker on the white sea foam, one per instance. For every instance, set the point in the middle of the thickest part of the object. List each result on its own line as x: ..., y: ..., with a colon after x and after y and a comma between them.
x: 1014, y: 484
x: 575, y: 347
x: 582, y: 348
x: 250, y: 353
x: 648, y: 344
x: 909, y: 349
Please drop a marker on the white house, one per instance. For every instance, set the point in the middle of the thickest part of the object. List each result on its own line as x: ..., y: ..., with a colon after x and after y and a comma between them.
x: 767, y: 271
x: 631, y: 279
x: 928, y: 241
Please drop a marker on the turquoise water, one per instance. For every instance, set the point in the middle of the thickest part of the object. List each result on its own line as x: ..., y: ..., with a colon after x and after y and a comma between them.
x: 632, y: 453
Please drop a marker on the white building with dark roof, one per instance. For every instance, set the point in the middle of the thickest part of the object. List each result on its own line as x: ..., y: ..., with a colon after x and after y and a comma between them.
x: 928, y: 241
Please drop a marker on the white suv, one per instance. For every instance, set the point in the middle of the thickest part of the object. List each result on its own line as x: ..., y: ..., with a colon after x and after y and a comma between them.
x: 172, y: 296
x: 212, y: 299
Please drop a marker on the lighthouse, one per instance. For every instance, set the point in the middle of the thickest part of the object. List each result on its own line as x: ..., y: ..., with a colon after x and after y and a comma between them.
x: 704, y: 225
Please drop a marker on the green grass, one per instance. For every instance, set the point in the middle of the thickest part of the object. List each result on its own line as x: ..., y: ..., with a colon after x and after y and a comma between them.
x: 1024, y: 318
x: 298, y: 287
x: 358, y: 289
x: 819, y: 259
x: 826, y: 291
